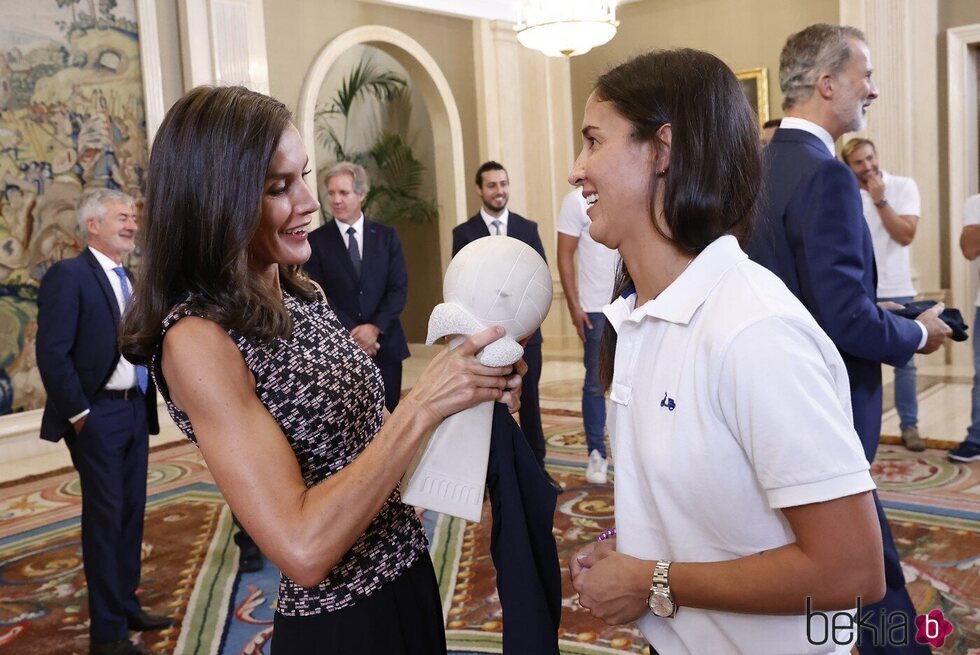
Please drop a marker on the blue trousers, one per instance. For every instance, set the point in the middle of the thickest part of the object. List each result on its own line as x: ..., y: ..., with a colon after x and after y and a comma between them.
x: 110, y: 455
x: 593, y: 399
x: 896, y: 601
x: 906, y: 402
x: 973, y: 432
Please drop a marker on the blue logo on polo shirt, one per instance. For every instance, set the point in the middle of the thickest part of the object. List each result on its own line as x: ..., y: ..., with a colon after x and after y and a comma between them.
x: 668, y: 402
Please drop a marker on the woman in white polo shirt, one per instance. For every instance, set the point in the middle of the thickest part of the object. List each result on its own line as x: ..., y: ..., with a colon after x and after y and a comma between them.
x: 742, y: 493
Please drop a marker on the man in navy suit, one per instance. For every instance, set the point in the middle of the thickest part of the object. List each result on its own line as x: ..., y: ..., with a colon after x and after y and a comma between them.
x: 493, y: 187
x: 104, y: 408
x: 811, y: 232
x: 361, y: 268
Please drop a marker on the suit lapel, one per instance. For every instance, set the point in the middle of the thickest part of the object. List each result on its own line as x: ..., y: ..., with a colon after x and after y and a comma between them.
x: 480, y: 228
x: 100, y: 278
x: 368, y: 245
x: 515, y: 227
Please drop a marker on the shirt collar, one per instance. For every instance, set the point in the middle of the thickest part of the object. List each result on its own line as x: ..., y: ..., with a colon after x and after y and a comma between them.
x: 797, y: 123
x: 488, y: 219
x: 104, y: 260
x: 358, y: 226
x: 679, y: 301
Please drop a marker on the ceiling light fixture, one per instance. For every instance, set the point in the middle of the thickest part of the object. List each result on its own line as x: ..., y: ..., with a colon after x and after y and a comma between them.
x: 565, y: 28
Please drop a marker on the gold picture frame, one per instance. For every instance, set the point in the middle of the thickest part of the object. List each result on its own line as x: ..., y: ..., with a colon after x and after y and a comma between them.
x: 755, y: 84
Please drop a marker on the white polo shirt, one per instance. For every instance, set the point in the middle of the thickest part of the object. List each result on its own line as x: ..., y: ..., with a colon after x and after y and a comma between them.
x: 971, y: 216
x: 730, y: 403
x: 597, y: 264
x: 891, y: 257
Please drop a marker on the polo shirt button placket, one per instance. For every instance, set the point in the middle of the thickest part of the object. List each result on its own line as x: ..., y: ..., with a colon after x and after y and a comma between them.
x: 622, y: 387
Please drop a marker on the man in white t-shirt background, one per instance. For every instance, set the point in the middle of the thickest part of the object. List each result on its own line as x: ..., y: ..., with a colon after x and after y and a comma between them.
x: 891, y: 208
x: 969, y: 450
x: 587, y: 290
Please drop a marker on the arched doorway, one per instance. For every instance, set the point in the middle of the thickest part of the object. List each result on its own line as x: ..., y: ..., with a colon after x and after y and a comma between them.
x: 446, y: 126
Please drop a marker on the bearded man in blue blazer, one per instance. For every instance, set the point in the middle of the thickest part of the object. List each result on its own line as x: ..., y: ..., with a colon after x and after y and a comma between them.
x: 811, y: 232
x: 494, y: 219
x: 361, y: 268
x: 104, y: 408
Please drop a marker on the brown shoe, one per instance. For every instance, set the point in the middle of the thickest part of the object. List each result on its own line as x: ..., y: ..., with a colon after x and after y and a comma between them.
x: 912, y: 440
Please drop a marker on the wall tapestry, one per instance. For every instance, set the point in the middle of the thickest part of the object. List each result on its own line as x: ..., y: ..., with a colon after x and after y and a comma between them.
x: 71, y: 116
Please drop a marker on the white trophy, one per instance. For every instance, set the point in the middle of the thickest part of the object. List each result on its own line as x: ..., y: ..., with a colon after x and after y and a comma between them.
x: 492, y: 281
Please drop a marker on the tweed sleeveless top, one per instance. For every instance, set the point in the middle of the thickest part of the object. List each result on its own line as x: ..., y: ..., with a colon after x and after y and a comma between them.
x: 328, y: 398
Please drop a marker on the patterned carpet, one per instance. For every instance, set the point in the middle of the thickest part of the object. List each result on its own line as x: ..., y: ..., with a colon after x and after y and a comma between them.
x: 190, y: 560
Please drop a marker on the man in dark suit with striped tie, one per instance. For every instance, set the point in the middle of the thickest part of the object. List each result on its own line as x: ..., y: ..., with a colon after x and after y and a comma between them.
x: 494, y: 219
x: 104, y: 408
x: 361, y: 268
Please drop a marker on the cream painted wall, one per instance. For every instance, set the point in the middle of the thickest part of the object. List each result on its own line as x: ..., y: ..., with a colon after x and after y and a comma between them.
x: 957, y: 13
x: 743, y: 33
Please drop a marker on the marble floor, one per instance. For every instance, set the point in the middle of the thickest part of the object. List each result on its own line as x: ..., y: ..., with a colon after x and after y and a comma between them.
x: 944, y: 405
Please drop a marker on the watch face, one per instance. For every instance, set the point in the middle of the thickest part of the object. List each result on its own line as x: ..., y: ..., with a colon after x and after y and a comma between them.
x: 660, y: 604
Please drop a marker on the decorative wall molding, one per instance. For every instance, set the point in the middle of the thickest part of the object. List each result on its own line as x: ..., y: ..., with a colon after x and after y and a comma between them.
x: 524, y: 121
x: 904, y: 122
x: 447, y: 130
x: 149, y: 39
x: 962, y: 45
x: 223, y: 42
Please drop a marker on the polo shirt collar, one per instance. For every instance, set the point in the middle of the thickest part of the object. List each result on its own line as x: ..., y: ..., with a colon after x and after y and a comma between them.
x: 679, y: 301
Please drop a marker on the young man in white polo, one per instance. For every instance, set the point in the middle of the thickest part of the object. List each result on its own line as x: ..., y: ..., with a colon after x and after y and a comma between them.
x: 588, y: 288
x: 891, y: 209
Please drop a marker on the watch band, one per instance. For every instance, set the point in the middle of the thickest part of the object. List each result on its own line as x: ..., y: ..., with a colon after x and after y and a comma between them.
x: 661, y: 600
x: 881, y: 203
x: 661, y: 571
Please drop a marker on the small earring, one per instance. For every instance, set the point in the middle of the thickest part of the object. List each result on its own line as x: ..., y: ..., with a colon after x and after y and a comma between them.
x: 663, y: 172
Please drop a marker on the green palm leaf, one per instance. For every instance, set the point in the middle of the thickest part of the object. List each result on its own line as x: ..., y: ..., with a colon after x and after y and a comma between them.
x: 396, y: 175
x: 366, y: 78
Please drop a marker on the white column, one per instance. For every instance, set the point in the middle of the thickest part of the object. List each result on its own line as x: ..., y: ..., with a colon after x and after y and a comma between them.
x: 223, y: 42
x: 524, y: 119
x: 904, y: 122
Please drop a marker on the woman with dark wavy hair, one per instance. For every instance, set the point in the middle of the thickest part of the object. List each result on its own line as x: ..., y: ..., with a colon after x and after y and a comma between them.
x: 287, y: 410
x: 743, y: 499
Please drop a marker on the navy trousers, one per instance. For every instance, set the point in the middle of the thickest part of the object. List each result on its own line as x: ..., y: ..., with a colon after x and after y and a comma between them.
x: 884, y: 613
x: 110, y: 455
x: 530, y: 412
